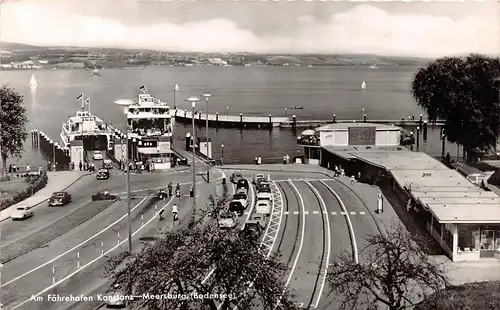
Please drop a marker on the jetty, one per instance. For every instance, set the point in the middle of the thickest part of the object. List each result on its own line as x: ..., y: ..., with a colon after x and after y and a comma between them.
x: 251, y: 121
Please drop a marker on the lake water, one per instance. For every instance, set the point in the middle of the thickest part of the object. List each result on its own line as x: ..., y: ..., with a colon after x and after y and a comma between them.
x: 322, y: 91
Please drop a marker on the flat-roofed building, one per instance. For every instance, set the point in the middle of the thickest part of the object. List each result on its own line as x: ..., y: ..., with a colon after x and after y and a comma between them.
x: 462, y: 217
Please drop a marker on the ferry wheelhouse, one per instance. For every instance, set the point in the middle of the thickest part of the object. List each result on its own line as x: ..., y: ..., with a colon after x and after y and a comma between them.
x: 95, y: 133
x: 150, y: 125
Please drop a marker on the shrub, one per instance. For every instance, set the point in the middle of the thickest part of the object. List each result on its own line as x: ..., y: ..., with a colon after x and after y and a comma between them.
x: 36, y: 183
x: 4, y: 178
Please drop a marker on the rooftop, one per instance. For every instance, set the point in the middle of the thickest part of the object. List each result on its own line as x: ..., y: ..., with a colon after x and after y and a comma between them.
x: 345, y: 126
x: 449, y: 196
x: 348, y: 152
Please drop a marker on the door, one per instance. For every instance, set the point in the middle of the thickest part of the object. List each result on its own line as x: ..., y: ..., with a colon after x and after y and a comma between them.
x: 487, y: 243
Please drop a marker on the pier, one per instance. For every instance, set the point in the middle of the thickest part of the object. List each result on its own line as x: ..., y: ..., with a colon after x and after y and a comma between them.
x: 51, y: 150
x: 250, y: 121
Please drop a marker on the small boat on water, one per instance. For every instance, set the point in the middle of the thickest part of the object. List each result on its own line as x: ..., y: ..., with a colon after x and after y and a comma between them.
x: 299, y: 107
x: 363, y: 85
x: 96, y: 72
x: 374, y: 66
x: 33, y: 80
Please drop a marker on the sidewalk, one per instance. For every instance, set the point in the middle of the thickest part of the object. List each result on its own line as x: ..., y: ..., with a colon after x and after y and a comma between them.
x: 57, y: 181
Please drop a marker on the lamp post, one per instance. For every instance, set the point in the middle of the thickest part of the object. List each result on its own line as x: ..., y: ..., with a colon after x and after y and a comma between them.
x: 222, y: 155
x: 227, y: 111
x: 176, y: 88
x: 1, y: 305
x: 286, y: 111
x: 193, y: 101
x: 126, y: 103
x: 207, y: 96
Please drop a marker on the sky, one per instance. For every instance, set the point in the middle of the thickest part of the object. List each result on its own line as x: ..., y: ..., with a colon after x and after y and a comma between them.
x: 421, y: 29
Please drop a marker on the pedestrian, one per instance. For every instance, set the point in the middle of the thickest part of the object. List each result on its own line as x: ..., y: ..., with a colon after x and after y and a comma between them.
x: 259, y: 160
x: 80, y: 165
x: 72, y: 165
x: 148, y: 167
x: 284, y: 159
x: 40, y: 169
x: 54, y: 167
x: 28, y: 169
x: 448, y: 158
x: 287, y: 159
x: 178, y: 162
x: 170, y: 189
x: 256, y: 160
x: 352, y: 179
x: 10, y: 168
x: 359, y: 175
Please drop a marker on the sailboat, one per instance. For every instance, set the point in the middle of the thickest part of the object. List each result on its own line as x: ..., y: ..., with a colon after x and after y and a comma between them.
x: 363, y: 85
x: 33, y: 81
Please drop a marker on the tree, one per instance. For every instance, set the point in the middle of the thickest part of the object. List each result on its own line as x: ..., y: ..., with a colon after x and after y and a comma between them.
x: 394, y: 270
x: 476, y: 295
x: 12, y: 124
x: 462, y: 92
x: 178, y: 262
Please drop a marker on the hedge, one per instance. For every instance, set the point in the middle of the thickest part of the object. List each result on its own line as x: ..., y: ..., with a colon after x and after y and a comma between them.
x: 36, y: 182
x: 470, y: 296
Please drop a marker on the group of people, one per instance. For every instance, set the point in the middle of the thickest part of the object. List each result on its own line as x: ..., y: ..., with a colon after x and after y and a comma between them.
x: 257, y: 160
x: 175, y: 209
x: 286, y: 159
x: 13, y: 169
x: 85, y: 166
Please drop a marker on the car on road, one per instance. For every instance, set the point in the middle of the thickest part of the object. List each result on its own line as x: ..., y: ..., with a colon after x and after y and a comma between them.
x: 254, y: 227
x: 227, y: 220
x: 241, y: 191
x: 262, y: 182
x: 115, y: 298
x: 102, y: 174
x: 242, y: 198
x: 21, y: 213
x: 235, y: 177
x: 98, y: 155
x: 242, y: 183
x: 162, y: 194
x: 237, y: 207
x: 256, y: 177
x: 264, y: 188
x: 107, y: 163
x: 264, y: 196
x: 103, y: 196
x: 59, y: 199
x: 263, y: 207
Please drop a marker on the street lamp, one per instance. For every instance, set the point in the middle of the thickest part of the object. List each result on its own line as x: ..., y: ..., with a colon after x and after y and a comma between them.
x: 125, y: 104
x: 285, y: 111
x: 176, y: 88
x: 222, y: 155
x: 227, y: 111
x: 193, y: 101
x: 207, y: 96
x: 1, y: 305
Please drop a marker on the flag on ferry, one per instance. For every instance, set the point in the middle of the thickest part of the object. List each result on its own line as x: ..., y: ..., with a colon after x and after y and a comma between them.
x: 87, y: 100
x: 79, y: 97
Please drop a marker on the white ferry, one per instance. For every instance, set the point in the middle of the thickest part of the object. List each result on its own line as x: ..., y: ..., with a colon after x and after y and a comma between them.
x: 151, y: 125
x: 96, y: 134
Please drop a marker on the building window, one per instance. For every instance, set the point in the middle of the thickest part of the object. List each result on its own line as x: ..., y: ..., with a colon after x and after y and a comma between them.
x: 468, y: 237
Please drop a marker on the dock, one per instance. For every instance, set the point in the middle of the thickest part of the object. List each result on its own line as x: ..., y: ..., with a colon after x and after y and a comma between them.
x: 250, y: 121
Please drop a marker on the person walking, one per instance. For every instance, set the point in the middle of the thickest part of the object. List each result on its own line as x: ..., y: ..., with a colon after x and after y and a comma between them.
x: 80, y: 165
x: 175, y: 211
x: 28, y: 168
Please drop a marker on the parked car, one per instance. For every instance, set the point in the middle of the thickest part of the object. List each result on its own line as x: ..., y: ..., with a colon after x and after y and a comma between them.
x: 59, y: 199
x: 98, y: 155
x: 21, y: 213
x: 242, y: 183
x: 237, y: 207
x: 162, y: 194
x: 103, y: 196
x: 264, y: 196
x: 264, y: 207
x: 102, y: 174
x: 242, y: 198
x: 235, y: 177
x: 227, y: 220
x: 256, y: 177
x: 108, y: 164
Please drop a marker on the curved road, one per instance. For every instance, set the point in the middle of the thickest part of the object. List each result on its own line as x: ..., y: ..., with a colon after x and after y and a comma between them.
x: 315, y: 226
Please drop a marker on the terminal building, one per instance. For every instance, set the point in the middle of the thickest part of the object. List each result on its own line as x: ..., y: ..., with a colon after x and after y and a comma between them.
x: 461, y: 216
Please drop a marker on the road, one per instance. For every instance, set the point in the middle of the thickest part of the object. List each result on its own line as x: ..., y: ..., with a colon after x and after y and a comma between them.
x: 46, y: 218
x: 320, y: 218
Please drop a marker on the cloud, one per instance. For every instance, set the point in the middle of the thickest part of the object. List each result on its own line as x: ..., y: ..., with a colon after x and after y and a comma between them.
x: 362, y: 29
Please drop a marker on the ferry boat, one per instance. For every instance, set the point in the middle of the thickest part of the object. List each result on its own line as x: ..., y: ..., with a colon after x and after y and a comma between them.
x: 150, y: 124
x: 96, y: 134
